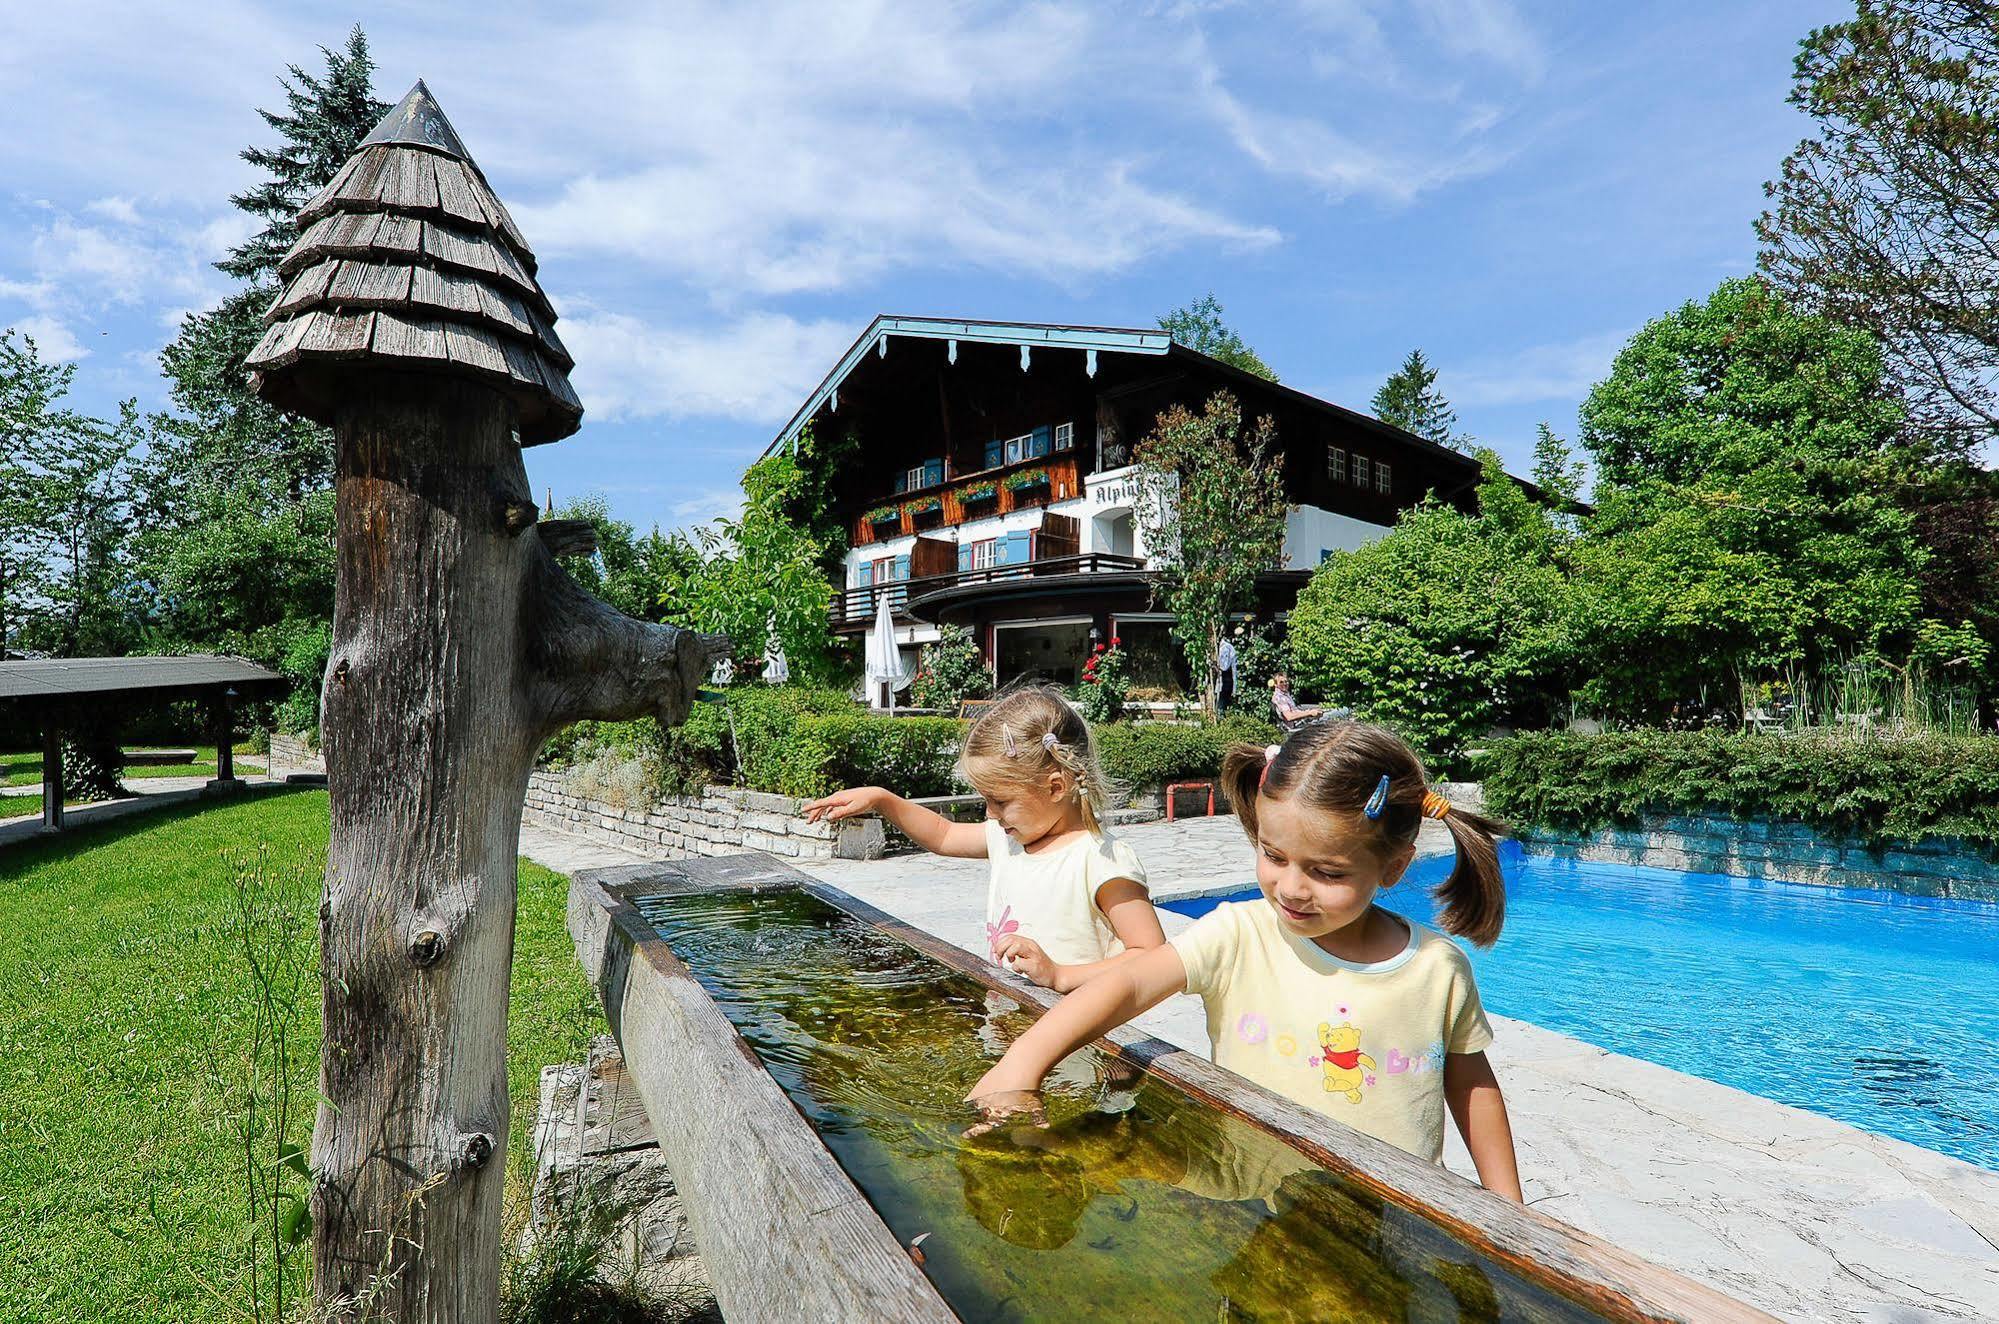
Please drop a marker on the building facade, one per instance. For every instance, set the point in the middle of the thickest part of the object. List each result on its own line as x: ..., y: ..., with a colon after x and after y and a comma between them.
x: 991, y: 485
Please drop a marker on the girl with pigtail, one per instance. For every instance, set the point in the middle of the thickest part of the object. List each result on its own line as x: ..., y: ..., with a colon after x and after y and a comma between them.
x: 1313, y: 990
x: 1066, y: 900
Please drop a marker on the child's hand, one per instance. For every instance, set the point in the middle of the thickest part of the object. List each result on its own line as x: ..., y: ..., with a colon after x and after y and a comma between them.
x: 1004, y: 1108
x: 1025, y: 957
x: 844, y: 804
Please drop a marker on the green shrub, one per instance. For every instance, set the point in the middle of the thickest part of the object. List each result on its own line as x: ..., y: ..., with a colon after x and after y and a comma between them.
x: 1876, y: 789
x: 950, y: 670
x: 1141, y: 755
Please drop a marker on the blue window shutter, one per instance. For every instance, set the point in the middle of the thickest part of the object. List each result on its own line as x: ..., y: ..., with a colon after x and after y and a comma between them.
x: 1044, y: 439
x: 1017, y: 547
x: 933, y: 472
x: 994, y: 450
x: 964, y: 556
x: 902, y: 567
x: 867, y: 575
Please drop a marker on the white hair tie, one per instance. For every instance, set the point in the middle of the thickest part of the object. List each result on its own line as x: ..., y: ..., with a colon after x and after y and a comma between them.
x: 1048, y: 741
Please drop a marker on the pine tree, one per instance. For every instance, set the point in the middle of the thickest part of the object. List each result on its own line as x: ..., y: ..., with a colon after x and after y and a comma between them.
x: 1199, y: 326
x: 1409, y: 400
x: 329, y: 118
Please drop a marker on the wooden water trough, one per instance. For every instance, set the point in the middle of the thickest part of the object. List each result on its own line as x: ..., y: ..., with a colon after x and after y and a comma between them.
x: 787, y: 1234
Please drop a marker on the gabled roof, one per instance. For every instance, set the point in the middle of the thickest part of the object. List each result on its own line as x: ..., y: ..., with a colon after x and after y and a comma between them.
x: 1123, y: 340
x: 1110, y: 339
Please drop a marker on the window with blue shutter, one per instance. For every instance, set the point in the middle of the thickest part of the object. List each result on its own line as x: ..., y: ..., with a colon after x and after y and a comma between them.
x: 933, y: 472
x: 865, y: 574
x: 995, y: 449
x: 1019, y: 548
x: 902, y: 567
x: 1044, y: 438
x: 964, y: 556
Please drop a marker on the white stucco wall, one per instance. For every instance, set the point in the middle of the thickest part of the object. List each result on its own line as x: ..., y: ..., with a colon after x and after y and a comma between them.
x: 1310, y: 532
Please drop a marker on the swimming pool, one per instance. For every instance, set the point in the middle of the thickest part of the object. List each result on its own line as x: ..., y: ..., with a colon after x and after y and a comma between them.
x: 1875, y: 1008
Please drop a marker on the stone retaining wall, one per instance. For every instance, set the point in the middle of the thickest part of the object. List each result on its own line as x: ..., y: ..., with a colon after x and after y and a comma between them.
x: 290, y: 753
x: 1788, y: 852
x: 721, y: 821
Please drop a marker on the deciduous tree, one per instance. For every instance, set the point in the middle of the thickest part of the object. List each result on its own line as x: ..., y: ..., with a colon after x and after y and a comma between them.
x: 1887, y: 218
x: 1199, y: 326
x: 1212, y: 513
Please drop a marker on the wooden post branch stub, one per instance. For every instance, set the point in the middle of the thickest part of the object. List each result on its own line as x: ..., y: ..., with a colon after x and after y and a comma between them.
x: 520, y: 516
x: 426, y: 948
x: 568, y: 537
x: 411, y: 321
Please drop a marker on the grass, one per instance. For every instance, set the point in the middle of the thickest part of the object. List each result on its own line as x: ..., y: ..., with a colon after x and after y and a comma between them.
x: 24, y: 767
x: 119, y: 1191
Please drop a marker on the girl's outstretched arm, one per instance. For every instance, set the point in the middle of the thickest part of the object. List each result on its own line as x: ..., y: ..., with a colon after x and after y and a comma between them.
x: 927, y: 828
x: 1092, y: 1011
x: 1128, y: 907
x: 1479, y: 1109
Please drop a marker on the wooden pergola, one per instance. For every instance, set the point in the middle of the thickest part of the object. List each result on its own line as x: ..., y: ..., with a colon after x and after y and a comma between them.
x: 54, y: 690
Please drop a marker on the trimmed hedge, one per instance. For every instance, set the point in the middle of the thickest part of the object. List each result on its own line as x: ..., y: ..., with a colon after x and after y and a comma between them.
x: 1877, y: 789
x: 798, y: 741
x: 1148, y: 754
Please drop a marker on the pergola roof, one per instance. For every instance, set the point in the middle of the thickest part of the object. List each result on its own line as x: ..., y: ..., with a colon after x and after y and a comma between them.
x: 66, y: 677
x: 407, y: 260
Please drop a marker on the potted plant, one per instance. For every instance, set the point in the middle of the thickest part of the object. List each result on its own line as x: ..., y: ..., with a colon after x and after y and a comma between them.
x: 923, y: 506
x: 1027, y: 480
x: 881, y: 515
x: 978, y: 493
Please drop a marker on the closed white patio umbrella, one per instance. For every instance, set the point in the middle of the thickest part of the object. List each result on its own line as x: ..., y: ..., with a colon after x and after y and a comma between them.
x: 776, y: 669
x: 884, y: 659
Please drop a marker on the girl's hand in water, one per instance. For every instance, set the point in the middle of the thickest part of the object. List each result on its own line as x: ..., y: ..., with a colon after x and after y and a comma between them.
x: 844, y: 804
x: 1025, y: 957
x: 1003, y: 1108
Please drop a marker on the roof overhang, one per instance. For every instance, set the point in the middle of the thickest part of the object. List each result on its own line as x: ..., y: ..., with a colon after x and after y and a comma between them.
x: 55, y: 679
x: 1029, y: 335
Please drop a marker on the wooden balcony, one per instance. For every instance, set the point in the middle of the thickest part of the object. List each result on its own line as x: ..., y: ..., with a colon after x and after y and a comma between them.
x: 1064, y: 482
x: 854, y: 610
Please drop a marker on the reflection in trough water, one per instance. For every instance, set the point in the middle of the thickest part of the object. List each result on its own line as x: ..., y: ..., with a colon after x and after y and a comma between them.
x: 1164, y: 1209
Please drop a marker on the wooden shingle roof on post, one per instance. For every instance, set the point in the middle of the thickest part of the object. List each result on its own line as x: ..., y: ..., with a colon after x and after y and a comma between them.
x: 407, y: 261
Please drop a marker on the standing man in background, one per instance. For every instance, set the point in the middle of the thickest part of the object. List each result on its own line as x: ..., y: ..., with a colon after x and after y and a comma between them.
x: 1225, y: 664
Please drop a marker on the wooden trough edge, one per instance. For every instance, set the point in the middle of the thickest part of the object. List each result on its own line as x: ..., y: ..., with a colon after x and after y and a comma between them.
x: 761, y: 1191
x: 1610, y: 1280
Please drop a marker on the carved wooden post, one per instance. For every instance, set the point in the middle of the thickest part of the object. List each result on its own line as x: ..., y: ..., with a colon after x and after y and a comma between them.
x: 411, y: 322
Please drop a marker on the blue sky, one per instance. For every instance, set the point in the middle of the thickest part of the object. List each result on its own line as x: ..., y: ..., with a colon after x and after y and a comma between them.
x: 722, y: 196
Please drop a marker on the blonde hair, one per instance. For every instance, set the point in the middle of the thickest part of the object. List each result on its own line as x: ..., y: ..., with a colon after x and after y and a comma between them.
x: 1028, y: 733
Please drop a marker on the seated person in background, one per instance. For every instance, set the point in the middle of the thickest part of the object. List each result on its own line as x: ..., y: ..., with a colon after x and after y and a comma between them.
x: 1289, y: 711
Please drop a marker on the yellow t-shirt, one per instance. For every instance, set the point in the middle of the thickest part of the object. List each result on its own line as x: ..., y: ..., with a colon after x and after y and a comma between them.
x: 1361, y: 1043
x: 1051, y: 896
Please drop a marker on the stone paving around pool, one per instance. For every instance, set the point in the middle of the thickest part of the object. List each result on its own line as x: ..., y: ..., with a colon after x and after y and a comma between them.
x: 1801, y: 1215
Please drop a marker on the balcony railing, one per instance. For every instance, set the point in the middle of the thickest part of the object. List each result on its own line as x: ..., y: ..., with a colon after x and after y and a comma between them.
x: 856, y: 607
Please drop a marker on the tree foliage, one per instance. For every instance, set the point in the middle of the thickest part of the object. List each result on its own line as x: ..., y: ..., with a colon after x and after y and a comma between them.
x: 1410, y: 400
x: 1746, y: 516
x: 1199, y: 326
x: 1887, y: 218
x: 65, y: 516
x: 1449, y: 624
x: 325, y: 120
x: 1212, y: 513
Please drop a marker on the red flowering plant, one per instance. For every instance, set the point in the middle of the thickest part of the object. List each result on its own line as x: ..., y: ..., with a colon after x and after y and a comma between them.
x: 1101, y: 695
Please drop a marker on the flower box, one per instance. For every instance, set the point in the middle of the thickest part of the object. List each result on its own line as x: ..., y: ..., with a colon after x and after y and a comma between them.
x: 884, y: 515
x: 977, y: 493
x: 1027, y: 480
x: 924, y: 506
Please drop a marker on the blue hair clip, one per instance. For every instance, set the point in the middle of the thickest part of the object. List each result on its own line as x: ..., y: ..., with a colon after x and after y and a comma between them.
x: 1379, y: 800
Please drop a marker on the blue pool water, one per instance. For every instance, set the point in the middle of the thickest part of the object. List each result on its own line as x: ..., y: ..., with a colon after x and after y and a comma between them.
x: 1876, y: 1008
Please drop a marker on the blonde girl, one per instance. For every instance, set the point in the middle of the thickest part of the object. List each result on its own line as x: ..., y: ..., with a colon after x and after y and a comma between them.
x: 1313, y: 990
x: 1066, y: 900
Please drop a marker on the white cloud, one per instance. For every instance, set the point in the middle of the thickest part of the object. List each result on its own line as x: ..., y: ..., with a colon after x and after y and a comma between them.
x: 55, y: 341
x: 1489, y: 30
x: 120, y: 210
x: 1565, y: 370
x: 756, y: 368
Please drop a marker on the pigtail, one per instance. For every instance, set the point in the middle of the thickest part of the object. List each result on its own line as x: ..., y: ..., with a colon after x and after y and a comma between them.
x: 1243, y: 767
x: 1474, y: 896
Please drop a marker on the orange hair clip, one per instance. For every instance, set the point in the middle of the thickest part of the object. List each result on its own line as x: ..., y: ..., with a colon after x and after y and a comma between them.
x: 1434, y: 805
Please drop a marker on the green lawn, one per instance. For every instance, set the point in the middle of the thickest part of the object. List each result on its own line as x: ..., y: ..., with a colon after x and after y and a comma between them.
x: 24, y: 767
x: 119, y: 1190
